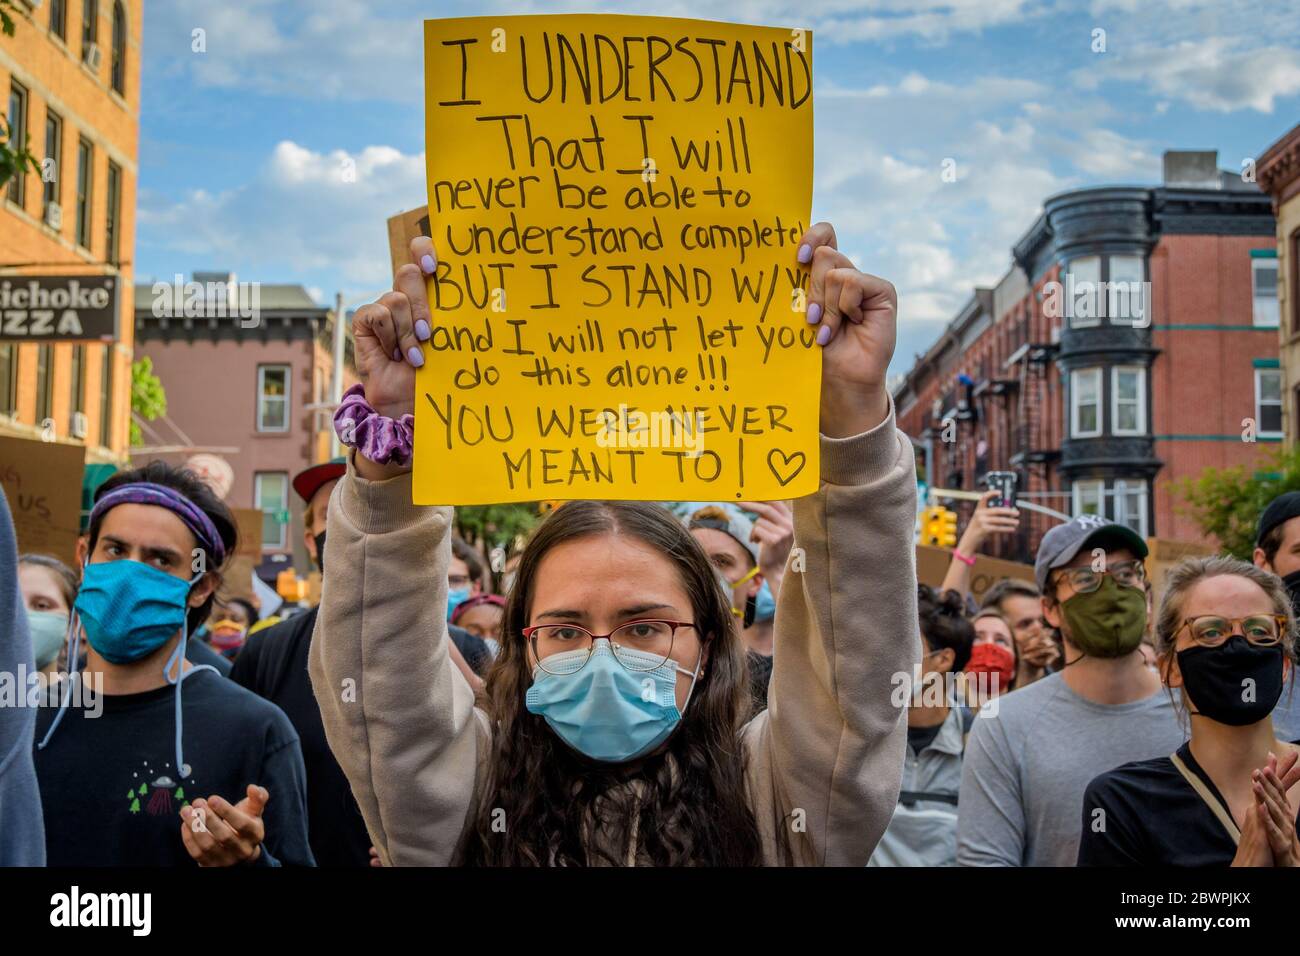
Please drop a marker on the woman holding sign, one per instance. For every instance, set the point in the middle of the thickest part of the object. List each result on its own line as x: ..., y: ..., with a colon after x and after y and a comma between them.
x: 614, y: 728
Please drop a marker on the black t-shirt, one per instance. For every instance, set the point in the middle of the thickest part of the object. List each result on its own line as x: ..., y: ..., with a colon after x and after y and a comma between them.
x: 200, y: 652
x: 273, y: 665
x: 1145, y: 813
x: 111, y: 796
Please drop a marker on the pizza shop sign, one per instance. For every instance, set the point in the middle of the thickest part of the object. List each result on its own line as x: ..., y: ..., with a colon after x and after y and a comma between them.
x: 58, y: 308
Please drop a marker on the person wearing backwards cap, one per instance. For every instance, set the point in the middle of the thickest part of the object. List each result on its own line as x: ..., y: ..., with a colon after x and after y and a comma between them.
x: 169, y: 763
x: 1026, y: 768
x: 1277, y: 549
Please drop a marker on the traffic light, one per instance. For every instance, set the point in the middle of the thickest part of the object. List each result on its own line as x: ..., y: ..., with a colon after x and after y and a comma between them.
x: 939, y: 527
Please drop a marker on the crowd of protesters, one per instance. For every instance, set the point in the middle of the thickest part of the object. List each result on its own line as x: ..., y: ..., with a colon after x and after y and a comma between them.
x: 758, y: 682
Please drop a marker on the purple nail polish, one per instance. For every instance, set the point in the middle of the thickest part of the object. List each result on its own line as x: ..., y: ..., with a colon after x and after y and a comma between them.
x: 428, y: 264
x: 415, y: 356
x: 422, y: 330
x: 805, y: 253
x: 823, y: 335
x: 814, y: 313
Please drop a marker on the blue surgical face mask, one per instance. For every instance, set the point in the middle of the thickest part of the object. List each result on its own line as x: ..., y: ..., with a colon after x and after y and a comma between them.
x: 455, y: 598
x: 129, y: 609
x: 604, y: 710
x: 764, y: 605
x: 49, y: 630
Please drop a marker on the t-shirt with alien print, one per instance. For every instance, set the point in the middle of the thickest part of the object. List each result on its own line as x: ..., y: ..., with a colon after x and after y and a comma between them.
x: 112, y: 796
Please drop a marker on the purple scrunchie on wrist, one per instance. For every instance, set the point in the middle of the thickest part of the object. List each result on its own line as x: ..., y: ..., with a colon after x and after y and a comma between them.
x: 382, y: 440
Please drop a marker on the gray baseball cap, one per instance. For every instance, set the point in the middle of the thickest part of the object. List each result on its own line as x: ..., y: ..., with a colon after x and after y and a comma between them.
x: 1062, y: 543
x: 727, y: 519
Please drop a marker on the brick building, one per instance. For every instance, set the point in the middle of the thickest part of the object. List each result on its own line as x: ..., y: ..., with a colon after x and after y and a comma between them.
x: 254, y: 391
x: 1125, y: 349
x: 71, y: 77
x: 1278, y: 171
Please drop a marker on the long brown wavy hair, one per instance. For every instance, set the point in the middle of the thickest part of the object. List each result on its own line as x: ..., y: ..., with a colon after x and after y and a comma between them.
x: 691, y: 808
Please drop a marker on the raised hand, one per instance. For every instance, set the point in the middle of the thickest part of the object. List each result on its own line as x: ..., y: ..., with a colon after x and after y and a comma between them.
x: 856, y: 315
x: 985, y: 521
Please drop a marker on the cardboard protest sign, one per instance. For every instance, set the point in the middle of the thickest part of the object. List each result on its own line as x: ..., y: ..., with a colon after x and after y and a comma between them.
x: 42, y: 481
x: 932, y: 564
x: 617, y: 204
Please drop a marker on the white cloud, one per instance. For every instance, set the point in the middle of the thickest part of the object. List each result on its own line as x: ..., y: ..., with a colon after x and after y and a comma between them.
x: 298, y: 215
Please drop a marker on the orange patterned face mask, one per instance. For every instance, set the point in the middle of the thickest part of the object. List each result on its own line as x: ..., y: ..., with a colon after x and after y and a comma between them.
x: 227, y: 634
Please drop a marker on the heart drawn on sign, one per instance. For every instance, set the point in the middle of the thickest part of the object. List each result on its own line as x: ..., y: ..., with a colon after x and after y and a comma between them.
x: 790, y: 466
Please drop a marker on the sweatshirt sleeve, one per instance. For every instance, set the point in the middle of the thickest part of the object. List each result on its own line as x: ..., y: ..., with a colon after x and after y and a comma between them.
x: 990, y: 810
x: 398, y: 715
x: 826, y: 757
x: 285, y: 778
x: 22, y: 826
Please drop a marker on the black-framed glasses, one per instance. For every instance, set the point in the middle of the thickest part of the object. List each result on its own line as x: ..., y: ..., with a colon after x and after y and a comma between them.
x: 1127, y: 574
x: 638, y: 645
x: 1211, y: 630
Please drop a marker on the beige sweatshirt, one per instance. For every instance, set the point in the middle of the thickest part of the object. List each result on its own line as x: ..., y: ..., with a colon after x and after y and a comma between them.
x: 825, y: 759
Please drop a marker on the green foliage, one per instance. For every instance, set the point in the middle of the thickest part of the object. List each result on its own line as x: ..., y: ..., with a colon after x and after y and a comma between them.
x: 148, y: 400
x: 1227, y: 502
x: 6, y: 21
x: 493, y: 526
x: 15, y: 160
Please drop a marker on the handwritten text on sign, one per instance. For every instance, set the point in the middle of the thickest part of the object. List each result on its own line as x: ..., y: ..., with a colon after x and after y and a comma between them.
x: 617, y: 204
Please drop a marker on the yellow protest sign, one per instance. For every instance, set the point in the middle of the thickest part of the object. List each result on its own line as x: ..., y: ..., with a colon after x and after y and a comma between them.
x: 617, y: 204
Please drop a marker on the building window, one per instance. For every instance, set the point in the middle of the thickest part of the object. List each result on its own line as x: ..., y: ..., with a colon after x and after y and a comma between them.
x: 273, y: 398
x: 85, y: 169
x: 271, y: 494
x: 59, y: 19
x: 1085, y: 403
x: 1089, y: 498
x: 54, y: 156
x: 1128, y: 400
x: 1263, y: 275
x: 106, y: 399
x: 118, y: 74
x: 44, y: 382
x: 1125, y: 299
x: 113, y: 213
x: 1086, y: 273
x: 16, y: 125
x: 77, y: 393
x: 9, y: 377
x: 1268, y: 402
x: 89, y: 26
x: 1130, y: 505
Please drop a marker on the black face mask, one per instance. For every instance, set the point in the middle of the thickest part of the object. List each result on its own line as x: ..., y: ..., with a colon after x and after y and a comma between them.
x: 1292, y: 582
x: 320, y: 552
x: 1235, y: 683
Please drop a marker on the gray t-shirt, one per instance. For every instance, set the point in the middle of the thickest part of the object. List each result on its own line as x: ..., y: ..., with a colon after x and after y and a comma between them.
x: 1026, y: 769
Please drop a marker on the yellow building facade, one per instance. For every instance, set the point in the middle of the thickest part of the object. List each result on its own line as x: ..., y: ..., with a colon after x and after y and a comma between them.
x: 70, y: 76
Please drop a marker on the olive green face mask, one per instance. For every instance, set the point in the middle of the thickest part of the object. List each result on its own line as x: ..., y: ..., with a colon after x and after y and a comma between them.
x: 1107, y: 622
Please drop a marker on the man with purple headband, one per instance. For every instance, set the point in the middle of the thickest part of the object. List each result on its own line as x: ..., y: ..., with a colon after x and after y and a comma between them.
x: 178, y: 764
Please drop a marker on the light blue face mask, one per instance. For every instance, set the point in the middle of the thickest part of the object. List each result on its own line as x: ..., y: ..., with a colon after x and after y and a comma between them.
x: 764, y: 605
x: 49, y: 630
x: 603, y: 709
x: 127, y: 610
x: 455, y: 598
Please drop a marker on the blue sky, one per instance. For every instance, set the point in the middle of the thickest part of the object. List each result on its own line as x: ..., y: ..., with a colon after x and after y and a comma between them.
x: 243, y: 146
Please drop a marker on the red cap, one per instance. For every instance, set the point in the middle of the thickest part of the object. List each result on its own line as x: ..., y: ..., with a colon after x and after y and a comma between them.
x: 307, y: 483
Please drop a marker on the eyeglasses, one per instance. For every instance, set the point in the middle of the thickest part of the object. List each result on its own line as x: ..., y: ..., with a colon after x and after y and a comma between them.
x: 1210, y: 630
x: 1127, y: 574
x: 650, y: 641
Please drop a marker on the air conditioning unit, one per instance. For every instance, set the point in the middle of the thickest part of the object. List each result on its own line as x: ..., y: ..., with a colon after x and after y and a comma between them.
x: 79, y: 425
x: 91, y: 56
x: 54, y: 216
